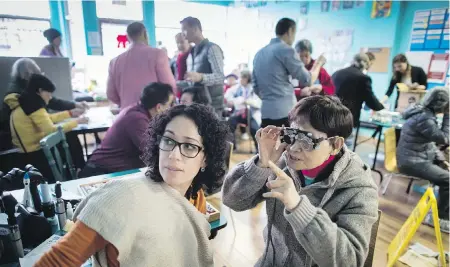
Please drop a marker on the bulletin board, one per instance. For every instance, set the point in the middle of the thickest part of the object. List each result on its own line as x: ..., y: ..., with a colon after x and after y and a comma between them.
x: 430, y: 33
x: 382, y: 61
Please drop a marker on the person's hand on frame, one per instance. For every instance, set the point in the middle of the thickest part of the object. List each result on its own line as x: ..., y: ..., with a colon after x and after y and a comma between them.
x: 267, y: 139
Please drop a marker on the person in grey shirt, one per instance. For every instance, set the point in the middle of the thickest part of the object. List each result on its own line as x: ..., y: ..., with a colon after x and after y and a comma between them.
x: 273, y: 67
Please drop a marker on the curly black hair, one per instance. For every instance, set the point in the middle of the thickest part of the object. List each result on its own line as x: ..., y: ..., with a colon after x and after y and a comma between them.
x: 214, y: 134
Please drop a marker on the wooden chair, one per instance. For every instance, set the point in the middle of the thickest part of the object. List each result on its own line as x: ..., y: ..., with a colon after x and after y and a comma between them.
x: 373, y: 240
x: 49, y: 145
x: 390, y: 161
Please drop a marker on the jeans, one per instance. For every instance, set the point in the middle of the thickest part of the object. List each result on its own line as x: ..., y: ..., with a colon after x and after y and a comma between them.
x: 235, y: 120
x: 435, y: 174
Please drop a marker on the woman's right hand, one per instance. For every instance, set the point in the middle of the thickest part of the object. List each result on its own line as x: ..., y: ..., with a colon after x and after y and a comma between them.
x: 82, y: 120
x: 76, y: 112
x: 267, y: 140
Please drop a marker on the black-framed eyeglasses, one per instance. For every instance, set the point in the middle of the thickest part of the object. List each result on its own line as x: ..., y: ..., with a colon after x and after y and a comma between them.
x: 305, y: 139
x: 186, y: 149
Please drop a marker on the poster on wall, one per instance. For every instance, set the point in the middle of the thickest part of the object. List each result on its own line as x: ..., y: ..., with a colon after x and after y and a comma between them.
x: 336, y: 46
x: 382, y: 54
x: 381, y: 9
x: 325, y: 6
x: 359, y: 3
x: 304, y: 6
x: 438, y: 69
x: 336, y: 5
x: 347, y: 4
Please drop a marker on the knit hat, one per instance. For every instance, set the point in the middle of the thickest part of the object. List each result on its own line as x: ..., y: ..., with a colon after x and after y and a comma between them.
x: 39, y: 81
x: 51, y: 34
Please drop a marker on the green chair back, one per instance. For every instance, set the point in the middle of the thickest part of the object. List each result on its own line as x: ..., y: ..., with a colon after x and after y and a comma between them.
x: 60, y: 169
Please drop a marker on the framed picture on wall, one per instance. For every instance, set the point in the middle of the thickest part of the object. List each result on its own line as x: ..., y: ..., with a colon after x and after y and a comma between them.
x: 325, y: 6
x: 336, y: 5
x: 381, y: 9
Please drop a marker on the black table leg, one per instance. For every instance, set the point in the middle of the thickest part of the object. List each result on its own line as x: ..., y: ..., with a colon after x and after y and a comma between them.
x: 380, y: 131
x: 85, y: 144
x: 356, y: 139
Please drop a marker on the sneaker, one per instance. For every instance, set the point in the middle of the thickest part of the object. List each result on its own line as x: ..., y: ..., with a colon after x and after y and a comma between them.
x: 444, y: 224
x: 245, y: 136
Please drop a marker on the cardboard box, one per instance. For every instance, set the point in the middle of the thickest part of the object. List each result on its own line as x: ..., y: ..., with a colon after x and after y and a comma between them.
x: 408, y: 97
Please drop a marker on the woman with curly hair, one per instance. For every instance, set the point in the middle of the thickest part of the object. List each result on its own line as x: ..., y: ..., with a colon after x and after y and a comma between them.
x: 148, y: 220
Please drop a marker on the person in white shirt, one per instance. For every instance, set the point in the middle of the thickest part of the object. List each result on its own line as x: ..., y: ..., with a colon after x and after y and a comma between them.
x: 242, y: 97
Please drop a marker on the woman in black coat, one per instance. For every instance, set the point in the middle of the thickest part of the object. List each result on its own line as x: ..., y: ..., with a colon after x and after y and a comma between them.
x: 414, y: 77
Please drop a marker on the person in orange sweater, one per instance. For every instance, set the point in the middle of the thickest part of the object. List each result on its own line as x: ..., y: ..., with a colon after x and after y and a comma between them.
x: 30, y: 121
x: 150, y: 220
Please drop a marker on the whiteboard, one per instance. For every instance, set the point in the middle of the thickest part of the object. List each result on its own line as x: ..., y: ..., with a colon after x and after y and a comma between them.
x: 420, y: 59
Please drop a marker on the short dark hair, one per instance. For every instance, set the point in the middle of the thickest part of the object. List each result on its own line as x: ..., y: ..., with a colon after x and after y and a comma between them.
x: 283, y: 26
x: 199, y: 95
x: 135, y: 29
x: 155, y: 93
x: 325, y: 113
x: 303, y: 45
x: 214, y: 134
x: 39, y: 81
x: 371, y: 56
x: 192, y: 22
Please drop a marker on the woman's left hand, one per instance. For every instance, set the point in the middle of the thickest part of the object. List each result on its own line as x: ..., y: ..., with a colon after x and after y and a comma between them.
x: 76, y: 112
x: 282, y: 188
x: 82, y: 105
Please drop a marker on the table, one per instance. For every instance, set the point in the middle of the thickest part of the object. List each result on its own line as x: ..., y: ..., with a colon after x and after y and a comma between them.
x: 72, y: 188
x: 367, y: 122
x: 100, y: 120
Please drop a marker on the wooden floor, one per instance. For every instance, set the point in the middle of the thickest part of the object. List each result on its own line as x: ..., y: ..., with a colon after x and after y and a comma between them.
x: 242, y: 246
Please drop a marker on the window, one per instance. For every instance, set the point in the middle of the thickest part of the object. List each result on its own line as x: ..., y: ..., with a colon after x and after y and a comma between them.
x: 22, y: 37
x: 168, y: 15
x: 109, y: 33
x: 113, y: 9
x: 31, y: 9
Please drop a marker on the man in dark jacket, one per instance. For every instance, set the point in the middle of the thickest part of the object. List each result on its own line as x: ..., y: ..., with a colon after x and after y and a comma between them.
x: 204, y: 63
x: 417, y: 154
x: 354, y: 87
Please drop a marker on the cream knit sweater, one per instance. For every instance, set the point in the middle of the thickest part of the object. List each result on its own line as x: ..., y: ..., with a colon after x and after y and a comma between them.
x: 149, y: 223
